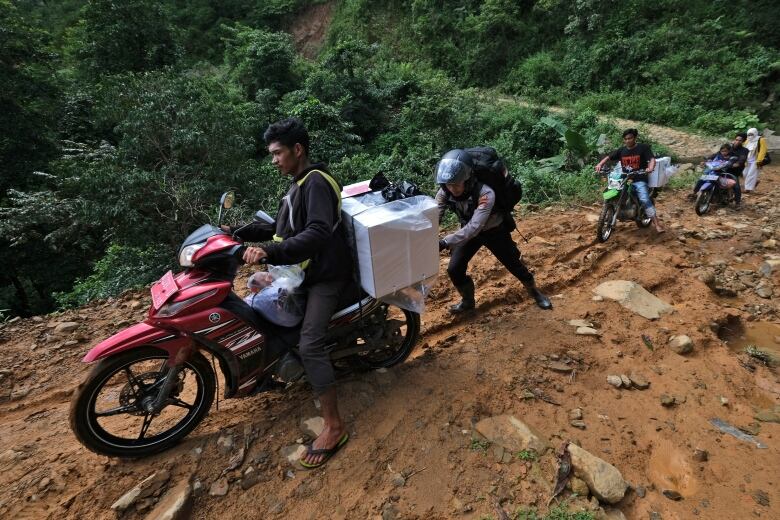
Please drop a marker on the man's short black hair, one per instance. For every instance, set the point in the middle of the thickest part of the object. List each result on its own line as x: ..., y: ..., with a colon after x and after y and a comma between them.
x: 725, y: 146
x: 631, y: 131
x: 288, y: 132
x: 743, y: 135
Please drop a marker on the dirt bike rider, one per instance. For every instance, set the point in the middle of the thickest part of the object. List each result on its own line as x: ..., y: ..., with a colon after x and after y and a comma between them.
x: 637, y: 156
x: 725, y: 154
x: 473, y: 203
x: 308, y: 232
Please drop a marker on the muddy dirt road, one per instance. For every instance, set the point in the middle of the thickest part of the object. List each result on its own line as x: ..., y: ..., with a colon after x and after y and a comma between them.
x: 411, y: 454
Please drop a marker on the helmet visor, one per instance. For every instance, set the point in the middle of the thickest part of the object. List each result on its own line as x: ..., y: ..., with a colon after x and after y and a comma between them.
x: 451, y: 171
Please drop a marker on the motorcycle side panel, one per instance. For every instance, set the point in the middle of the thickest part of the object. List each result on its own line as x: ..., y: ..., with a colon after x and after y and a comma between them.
x: 610, y: 194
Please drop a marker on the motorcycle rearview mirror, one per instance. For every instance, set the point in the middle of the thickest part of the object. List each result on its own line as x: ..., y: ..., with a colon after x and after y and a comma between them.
x: 225, y: 202
x: 227, y: 199
x: 262, y: 216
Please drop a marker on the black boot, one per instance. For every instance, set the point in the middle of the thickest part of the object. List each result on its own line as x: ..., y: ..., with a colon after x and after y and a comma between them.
x: 467, y: 294
x: 542, y: 301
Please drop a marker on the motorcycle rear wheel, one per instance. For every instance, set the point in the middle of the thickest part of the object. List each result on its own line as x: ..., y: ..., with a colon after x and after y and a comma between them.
x: 396, y: 340
x: 703, y: 200
x: 125, y: 383
x: 605, y: 228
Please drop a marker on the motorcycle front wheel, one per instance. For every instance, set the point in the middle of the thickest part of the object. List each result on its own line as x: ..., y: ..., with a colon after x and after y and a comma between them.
x: 108, y: 413
x: 604, y: 228
x: 703, y: 200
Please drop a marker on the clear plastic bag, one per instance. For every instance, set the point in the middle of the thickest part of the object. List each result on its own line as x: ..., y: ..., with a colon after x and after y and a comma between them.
x: 277, y: 295
x: 411, y: 298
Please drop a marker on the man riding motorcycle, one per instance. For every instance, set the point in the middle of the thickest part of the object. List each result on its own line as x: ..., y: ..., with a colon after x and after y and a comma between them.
x: 309, y: 233
x: 636, y: 156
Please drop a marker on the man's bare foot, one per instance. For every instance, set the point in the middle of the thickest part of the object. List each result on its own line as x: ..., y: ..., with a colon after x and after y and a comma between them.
x: 658, y: 227
x: 327, y: 440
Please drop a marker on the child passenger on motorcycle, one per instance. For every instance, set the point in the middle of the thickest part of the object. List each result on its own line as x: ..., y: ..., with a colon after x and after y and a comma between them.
x: 724, y: 155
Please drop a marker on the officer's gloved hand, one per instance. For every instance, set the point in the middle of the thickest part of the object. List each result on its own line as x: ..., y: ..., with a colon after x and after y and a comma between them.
x: 442, y: 245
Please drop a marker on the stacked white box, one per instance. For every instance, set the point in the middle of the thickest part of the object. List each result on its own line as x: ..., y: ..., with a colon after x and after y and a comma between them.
x: 396, y: 242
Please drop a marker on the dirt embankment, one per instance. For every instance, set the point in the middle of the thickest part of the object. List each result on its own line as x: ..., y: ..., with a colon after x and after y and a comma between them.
x: 411, y: 454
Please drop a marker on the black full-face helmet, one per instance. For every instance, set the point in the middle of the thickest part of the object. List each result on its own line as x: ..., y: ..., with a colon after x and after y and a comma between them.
x: 454, y: 166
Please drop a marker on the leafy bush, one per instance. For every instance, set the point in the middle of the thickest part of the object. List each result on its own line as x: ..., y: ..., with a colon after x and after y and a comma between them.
x: 260, y: 60
x: 121, y: 268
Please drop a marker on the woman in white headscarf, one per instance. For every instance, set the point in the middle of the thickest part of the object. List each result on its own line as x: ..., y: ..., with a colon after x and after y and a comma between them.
x: 756, y: 152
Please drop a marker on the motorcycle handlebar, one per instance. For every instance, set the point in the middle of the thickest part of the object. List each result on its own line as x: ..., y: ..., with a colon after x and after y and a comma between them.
x: 239, y: 253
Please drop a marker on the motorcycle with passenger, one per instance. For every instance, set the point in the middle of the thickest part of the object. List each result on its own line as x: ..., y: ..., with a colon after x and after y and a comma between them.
x: 621, y: 202
x: 715, y: 185
x: 152, y: 383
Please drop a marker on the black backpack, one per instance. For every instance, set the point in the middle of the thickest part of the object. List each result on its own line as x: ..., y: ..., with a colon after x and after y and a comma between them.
x: 489, y: 169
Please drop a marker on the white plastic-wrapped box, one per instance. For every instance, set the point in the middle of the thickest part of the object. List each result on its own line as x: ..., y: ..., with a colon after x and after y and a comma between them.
x: 661, y: 173
x: 396, y: 243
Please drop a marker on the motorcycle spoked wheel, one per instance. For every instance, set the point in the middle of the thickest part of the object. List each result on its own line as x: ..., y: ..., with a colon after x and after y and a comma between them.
x: 703, y: 200
x: 107, y: 414
x: 395, y: 339
x: 605, y: 227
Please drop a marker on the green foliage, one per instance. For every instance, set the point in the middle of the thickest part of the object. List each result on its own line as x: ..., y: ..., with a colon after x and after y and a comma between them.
x: 182, y: 140
x: 527, y: 455
x: 121, y: 268
x: 127, y: 36
x: 39, y: 230
x: 260, y: 60
x: 27, y: 100
x: 559, y: 512
x: 479, y: 445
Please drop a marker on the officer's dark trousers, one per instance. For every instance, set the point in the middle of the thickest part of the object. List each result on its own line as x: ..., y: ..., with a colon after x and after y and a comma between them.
x: 321, y: 301
x: 499, y: 241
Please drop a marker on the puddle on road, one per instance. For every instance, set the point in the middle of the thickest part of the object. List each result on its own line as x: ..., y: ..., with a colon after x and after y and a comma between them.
x: 669, y: 469
x: 766, y: 337
x: 762, y: 334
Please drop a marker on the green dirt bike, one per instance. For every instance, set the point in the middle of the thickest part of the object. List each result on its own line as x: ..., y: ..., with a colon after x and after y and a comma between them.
x: 620, y: 203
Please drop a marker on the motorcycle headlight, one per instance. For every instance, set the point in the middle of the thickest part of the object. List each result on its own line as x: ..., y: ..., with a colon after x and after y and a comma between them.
x: 185, y: 257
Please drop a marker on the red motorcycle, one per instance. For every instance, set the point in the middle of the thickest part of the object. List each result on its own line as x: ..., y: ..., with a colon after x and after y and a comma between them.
x: 153, y: 384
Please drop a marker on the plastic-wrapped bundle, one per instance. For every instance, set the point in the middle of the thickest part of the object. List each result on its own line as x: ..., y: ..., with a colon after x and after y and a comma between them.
x: 276, y: 295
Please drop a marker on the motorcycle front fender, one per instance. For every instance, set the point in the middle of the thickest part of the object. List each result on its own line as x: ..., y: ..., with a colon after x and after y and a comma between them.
x: 610, y: 194
x: 707, y: 186
x: 138, y: 335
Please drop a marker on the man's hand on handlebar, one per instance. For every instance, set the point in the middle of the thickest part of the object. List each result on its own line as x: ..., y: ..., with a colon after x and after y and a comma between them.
x: 253, y: 255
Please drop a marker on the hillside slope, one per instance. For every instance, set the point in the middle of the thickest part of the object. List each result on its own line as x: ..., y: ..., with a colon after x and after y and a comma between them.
x: 417, y: 419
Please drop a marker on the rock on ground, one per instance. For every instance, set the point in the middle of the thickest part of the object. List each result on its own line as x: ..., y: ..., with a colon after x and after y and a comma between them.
x: 312, y: 426
x: 634, y: 297
x: 175, y: 505
x: 144, y: 489
x: 66, y: 327
x: 681, y: 344
x: 293, y: 453
x: 511, y: 433
x: 603, y: 479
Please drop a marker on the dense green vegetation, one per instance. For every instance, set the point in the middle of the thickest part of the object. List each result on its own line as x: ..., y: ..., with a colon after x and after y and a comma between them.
x: 712, y: 65
x: 122, y: 122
